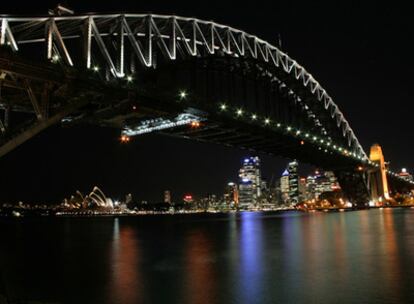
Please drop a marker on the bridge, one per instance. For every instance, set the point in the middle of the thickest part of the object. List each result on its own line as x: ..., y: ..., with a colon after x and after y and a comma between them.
x: 181, y: 77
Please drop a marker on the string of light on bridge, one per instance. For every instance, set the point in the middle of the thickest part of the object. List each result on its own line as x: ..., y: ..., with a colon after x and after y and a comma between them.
x: 303, y: 136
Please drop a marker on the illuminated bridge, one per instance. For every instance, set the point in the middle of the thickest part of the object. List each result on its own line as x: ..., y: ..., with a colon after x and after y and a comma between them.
x: 178, y: 76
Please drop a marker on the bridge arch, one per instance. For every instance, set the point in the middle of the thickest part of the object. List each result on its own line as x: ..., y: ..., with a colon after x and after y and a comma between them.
x: 118, y: 44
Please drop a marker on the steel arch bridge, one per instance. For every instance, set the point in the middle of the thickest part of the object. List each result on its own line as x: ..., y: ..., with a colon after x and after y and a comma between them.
x: 179, y: 76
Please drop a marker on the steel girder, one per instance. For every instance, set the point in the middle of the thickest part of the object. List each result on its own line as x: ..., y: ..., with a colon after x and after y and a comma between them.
x: 113, y: 42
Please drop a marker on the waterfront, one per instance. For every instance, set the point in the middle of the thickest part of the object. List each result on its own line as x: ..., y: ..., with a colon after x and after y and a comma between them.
x: 250, y: 257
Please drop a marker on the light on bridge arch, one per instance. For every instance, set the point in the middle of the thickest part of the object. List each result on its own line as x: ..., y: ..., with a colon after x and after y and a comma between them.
x: 239, y: 112
x: 223, y: 107
x: 254, y: 117
x: 183, y: 94
x: 267, y: 121
x: 55, y: 58
x: 129, y: 78
x: 95, y: 68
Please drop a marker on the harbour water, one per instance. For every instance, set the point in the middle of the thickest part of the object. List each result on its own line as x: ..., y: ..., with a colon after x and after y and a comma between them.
x: 249, y: 257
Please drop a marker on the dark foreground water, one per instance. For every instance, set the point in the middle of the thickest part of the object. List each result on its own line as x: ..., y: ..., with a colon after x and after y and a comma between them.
x: 352, y: 257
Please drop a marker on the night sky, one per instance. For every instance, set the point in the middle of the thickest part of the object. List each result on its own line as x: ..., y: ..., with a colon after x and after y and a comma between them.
x: 362, y: 54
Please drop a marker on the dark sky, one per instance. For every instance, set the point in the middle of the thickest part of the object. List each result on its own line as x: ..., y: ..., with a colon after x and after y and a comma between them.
x: 362, y: 54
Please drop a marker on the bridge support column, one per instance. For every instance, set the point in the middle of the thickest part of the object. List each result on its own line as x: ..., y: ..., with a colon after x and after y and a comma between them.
x: 354, y: 184
x: 378, y: 175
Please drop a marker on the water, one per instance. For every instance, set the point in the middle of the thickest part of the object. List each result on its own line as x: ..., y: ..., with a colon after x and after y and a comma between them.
x: 349, y: 257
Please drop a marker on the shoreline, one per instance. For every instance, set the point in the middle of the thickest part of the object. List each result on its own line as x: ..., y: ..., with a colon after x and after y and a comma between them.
x: 170, y: 214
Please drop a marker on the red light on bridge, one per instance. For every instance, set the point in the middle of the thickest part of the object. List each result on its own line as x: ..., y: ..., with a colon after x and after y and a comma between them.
x: 302, y: 142
x: 125, y: 139
x: 195, y: 124
x: 360, y: 168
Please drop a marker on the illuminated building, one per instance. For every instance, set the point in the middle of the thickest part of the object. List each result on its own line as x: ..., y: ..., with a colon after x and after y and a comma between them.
x: 284, y: 186
x: 188, y: 198
x: 320, y: 183
x: 311, y: 187
x: 167, y: 197
x: 250, y: 182
x: 405, y: 175
x: 378, y: 175
x: 302, y: 189
x: 293, y: 182
x: 289, y: 184
x: 231, y: 195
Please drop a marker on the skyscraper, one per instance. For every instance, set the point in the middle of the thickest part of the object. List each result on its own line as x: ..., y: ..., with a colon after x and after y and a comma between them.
x: 284, y: 186
x: 250, y: 182
x: 293, y: 182
x: 311, y: 187
x: 167, y: 197
x: 321, y: 182
x: 231, y: 195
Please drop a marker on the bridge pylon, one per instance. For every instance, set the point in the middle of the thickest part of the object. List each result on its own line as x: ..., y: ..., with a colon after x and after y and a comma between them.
x: 378, y: 182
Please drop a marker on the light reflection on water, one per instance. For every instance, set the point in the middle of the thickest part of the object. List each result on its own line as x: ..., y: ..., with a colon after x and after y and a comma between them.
x: 352, y: 257
x: 126, y: 280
